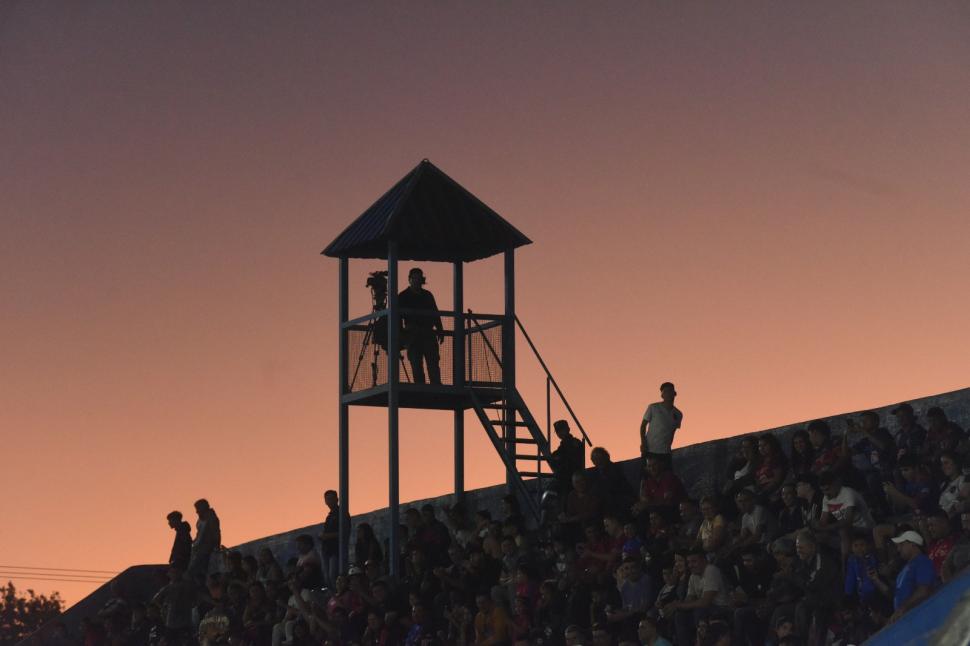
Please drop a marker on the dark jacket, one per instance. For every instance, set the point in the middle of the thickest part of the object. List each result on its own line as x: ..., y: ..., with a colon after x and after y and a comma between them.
x: 182, y: 546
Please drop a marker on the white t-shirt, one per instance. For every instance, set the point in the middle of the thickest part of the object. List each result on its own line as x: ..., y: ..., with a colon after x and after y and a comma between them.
x: 712, y: 579
x: 950, y: 496
x: 848, y: 498
x: 661, y: 424
x: 757, y: 518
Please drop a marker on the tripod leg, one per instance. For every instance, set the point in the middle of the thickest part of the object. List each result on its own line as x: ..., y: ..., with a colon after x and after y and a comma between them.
x: 363, y: 351
x: 404, y: 364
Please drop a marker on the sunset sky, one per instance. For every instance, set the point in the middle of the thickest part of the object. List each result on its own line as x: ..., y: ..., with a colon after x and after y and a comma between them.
x: 766, y: 203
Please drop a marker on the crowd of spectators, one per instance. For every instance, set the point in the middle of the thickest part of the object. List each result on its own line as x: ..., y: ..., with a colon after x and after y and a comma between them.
x: 823, y: 543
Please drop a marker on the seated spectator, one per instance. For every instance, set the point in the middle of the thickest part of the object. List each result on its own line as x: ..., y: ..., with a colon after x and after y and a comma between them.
x: 773, y: 468
x: 492, y: 623
x: 756, y: 524
x: 309, y: 573
x: 609, y: 483
x: 712, y: 533
x: 941, y: 434
x: 742, y: 469
x: 583, y: 506
x: 843, y: 510
x: 791, y: 514
x: 910, y: 436
x: 860, y: 570
x: 637, y: 591
x: 707, y: 596
x: 959, y: 557
x: 802, y: 453
x: 269, y: 569
x: 955, y: 493
x: 828, y: 455
x: 942, y: 539
x: 873, y: 455
x: 689, y: 525
x: 754, y: 580
x: 648, y: 635
x: 915, y: 491
x: 632, y: 543
x: 366, y: 545
x: 660, y: 489
x: 916, y: 580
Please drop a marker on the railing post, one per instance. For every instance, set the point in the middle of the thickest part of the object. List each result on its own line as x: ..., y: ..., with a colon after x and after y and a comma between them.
x: 393, y: 378
x: 343, y: 432
x: 458, y: 378
x: 508, y: 359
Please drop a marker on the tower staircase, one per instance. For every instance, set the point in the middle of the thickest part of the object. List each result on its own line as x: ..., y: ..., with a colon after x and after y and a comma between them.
x: 518, y: 438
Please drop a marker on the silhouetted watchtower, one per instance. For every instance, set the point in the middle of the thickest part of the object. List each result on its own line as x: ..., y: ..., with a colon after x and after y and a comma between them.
x: 429, y: 217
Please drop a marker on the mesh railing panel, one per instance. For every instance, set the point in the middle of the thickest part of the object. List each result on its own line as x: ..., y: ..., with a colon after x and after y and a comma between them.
x: 483, y: 355
x: 367, y: 360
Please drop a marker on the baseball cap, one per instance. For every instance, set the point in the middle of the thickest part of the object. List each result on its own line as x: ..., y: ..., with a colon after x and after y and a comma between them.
x: 909, y: 536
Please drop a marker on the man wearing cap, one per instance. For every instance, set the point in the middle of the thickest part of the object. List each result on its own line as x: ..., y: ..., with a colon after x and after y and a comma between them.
x: 420, y: 329
x: 917, y: 578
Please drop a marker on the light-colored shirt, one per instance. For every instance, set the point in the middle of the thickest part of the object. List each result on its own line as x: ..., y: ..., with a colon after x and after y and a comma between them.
x: 848, y: 498
x: 661, y: 424
x: 711, y: 581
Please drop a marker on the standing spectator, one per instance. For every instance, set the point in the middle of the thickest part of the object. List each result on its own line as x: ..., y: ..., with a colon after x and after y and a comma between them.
x: 330, y: 538
x: 819, y: 578
x: 568, y: 458
x: 182, y: 545
x: 660, y: 421
x: 915, y: 581
x: 208, y: 538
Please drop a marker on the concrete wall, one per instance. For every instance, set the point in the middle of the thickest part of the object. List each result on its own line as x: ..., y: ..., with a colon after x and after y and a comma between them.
x: 700, y: 466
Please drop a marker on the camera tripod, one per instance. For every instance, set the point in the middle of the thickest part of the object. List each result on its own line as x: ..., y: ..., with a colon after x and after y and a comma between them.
x: 376, y: 334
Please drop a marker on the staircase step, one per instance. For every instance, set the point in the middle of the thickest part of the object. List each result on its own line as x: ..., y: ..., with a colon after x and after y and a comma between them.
x: 522, y: 440
x: 498, y: 422
x: 534, y: 474
x: 523, y: 456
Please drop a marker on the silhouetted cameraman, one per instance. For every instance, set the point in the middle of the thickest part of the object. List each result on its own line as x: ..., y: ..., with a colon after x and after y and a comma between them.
x: 423, y: 332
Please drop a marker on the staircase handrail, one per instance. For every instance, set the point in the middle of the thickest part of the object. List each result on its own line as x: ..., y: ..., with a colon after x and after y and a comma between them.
x: 552, y: 380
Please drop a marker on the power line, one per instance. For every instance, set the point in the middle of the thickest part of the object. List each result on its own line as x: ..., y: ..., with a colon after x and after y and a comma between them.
x: 54, y: 569
x: 19, y: 577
